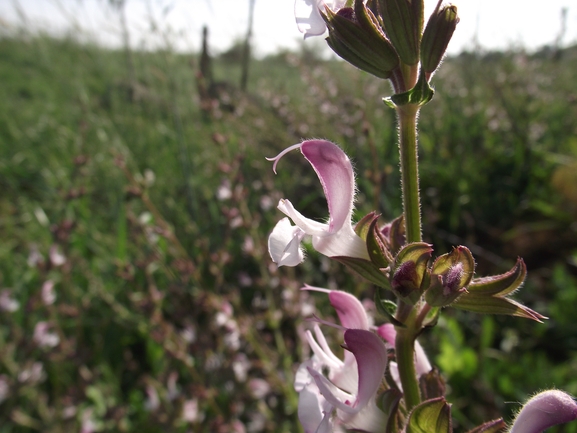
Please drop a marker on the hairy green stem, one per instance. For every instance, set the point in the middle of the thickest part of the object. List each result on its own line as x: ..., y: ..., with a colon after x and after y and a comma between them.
x: 407, y: 118
x: 406, y: 314
x: 405, y: 353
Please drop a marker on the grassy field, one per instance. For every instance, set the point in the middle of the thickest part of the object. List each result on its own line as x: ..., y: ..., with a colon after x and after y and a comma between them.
x: 136, y: 292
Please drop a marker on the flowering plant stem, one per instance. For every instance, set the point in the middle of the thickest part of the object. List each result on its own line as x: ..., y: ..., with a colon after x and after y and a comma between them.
x: 406, y: 314
x: 407, y: 118
x: 405, y: 354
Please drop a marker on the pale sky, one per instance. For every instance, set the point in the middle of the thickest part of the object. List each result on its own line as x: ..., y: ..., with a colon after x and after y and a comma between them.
x: 494, y: 23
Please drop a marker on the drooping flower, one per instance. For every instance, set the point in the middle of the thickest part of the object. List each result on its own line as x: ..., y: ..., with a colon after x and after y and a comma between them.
x: 44, y: 336
x: 350, y: 385
x: 545, y: 410
x: 308, y: 15
x: 335, y: 238
x: 352, y: 391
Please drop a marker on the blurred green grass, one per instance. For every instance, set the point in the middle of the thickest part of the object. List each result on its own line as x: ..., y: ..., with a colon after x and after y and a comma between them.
x: 168, y: 312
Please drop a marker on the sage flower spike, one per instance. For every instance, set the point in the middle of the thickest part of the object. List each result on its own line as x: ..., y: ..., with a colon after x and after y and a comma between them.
x: 354, y: 398
x: 334, y: 238
x: 308, y: 15
x: 545, y: 410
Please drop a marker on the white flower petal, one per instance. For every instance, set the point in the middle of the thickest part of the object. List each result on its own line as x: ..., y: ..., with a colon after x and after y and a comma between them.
x: 284, y: 244
x: 308, y: 17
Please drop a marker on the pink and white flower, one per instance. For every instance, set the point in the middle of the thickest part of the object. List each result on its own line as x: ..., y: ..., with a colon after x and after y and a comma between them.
x: 44, y: 336
x: 351, y: 392
x: 545, y: 410
x: 335, y: 238
x: 308, y: 15
x: 349, y: 389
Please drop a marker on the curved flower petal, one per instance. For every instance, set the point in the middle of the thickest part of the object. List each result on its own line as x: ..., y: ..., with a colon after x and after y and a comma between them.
x: 308, y: 17
x: 302, y: 376
x: 343, y: 243
x: 325, y: 355
x: 335, y: 171
x: 284, y: 244
x: 309, y: 410
x: 351, y: 312
x: 371, y: 356
x: 545, y: 410
x: 388, y: 333
x: 337, y: 238
x: 307, y: 225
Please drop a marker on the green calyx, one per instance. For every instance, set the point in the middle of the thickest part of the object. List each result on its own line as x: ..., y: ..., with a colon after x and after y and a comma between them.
x: 354, y: 34
x: 437, y: 35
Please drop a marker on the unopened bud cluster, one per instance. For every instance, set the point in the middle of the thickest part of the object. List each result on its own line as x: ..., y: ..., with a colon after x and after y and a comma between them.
x: 386, y: 38
x: 415, y: 278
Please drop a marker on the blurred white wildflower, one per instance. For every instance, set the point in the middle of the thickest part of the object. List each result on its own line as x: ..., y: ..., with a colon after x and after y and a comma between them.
x: 223, y: 192
x: 244, y: 279
x: 236, y: 222
x: 44, y: 337
x: 240, y: 367
x: 190, y: 411
x: 266, y: 202
x: 149, y: 177
x: 224, y: 319
x: 172, y: 390
x: 152, y: 400
x: 248, y: 245
x: 32, y: 374
x: 34, y: 257
x: 188, y: 334
x: 259, y: 388
x: 48, y: 295
x: 7, y: 302
x: 88, y: 423
x: 56, y: 257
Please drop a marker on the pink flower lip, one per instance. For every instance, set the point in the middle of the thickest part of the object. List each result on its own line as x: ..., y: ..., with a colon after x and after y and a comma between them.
x: 335, y: 238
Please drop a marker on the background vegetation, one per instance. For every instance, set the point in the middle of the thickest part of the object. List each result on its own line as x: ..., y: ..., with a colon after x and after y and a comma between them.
x: 136, y: 292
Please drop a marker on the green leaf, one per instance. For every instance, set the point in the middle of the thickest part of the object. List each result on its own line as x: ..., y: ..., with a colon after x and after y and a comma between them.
x: 431, y: 416
x: 386, y: 308
x: 363, y: 227
x: 397, y: 236
x: 432, y: 317
x: 501, y: 284
x: 365, y: 269
x: 480, y: 303
x: 377, y: 246
x: 421, y: 94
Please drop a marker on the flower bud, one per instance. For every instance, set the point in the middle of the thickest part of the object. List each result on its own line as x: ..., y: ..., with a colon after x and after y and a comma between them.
x: 403, y: 22
x: 409, y: 271
x: 450, y: 275
x: 354, y: 34
x: 545, y: 410
x: 437, y: 35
